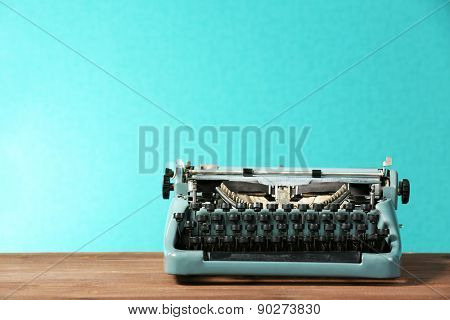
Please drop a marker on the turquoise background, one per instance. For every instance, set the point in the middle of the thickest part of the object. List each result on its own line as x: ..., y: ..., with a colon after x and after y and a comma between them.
x: 69, y: 133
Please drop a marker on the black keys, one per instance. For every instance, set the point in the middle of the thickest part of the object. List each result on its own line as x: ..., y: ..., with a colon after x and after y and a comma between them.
x: 257, y: 206
x: 242, y: 240
x: 204, y: 228
x: 357, y: 217
x: 318, y: 207
x: 280, y: 217
x: 190, y: 225
x: 195, y: 242
x: 295, y: 217
x: 225, y: 207
x: 373, y: 218
x: 346, y: 227
x: 282, y: 227
x: 250, y: 228
x: 240, y: 206
x: 361, y: 228
x: 202, y: 217
x: 264, y: 218
x: 236, y: 228
x: 249, y: 217
x: 366, y: 207
x: 341, y: 217
x: 211, y: 240
x: 195, y: 206
x: 178, y: 216
x: 220, y: 228
x: 258, y: 239
x: 234, y: 217
x: 326, y: 217
x: 272, y: 207
x: 334, y: 207
x: 267, y: 227
x: 216, y: 217
x: 210, y: 207
x: 287, y: 207
x: 383, y: 232
x: 228, y: 239
x: 349, y: 207
x: 310, y: 217
x: 303, y: 207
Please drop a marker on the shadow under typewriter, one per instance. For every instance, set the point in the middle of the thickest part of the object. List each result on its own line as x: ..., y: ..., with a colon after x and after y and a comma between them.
x: 218, y: 280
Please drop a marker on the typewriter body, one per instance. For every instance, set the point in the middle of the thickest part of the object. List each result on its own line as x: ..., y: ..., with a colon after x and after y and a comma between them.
x: 283, y: 222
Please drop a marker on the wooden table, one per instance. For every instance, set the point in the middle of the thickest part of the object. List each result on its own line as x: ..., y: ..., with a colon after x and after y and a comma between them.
x: 141, y: 276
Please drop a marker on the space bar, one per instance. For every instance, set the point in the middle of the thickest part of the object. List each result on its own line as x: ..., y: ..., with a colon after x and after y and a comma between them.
x: 312, y: 256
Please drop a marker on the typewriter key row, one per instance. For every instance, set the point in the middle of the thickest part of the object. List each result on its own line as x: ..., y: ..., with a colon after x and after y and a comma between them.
x: 243, y: 229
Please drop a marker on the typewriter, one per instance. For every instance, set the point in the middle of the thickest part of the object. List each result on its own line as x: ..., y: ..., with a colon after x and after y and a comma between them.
x: 283, y: 222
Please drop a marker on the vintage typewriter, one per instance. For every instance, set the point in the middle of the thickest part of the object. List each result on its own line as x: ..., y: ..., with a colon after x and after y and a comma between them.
x: 303, y: 222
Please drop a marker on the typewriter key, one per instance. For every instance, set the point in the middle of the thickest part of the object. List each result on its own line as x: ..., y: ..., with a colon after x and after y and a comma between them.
x: 294, y: 217
x: 236, y: 228
x: 240, y: 206
x: 303, y: 207
x: 243, y: 240
x: 189, y: 225
x: 311, y: 217
x: 204, y: 228
x: 234, y: 217
x: 349, y: 207
x: 318, y: 207
x: 220, y: 228
x: 211, y: 240
x: 179, y: 216
x: 357, y: 217
x: 373, y: 218
x: 341, y: 217
x: 225, y: 207
x: 287, y: 207
x: 334, y: 207
x: 298, y: 226
x: 257, y: 206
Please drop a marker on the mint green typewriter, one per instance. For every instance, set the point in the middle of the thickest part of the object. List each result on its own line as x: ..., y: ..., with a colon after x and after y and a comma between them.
x: 283, y: 221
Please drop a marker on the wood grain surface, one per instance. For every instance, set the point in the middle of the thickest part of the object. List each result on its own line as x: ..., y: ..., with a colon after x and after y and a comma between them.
x: 141, y: 276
